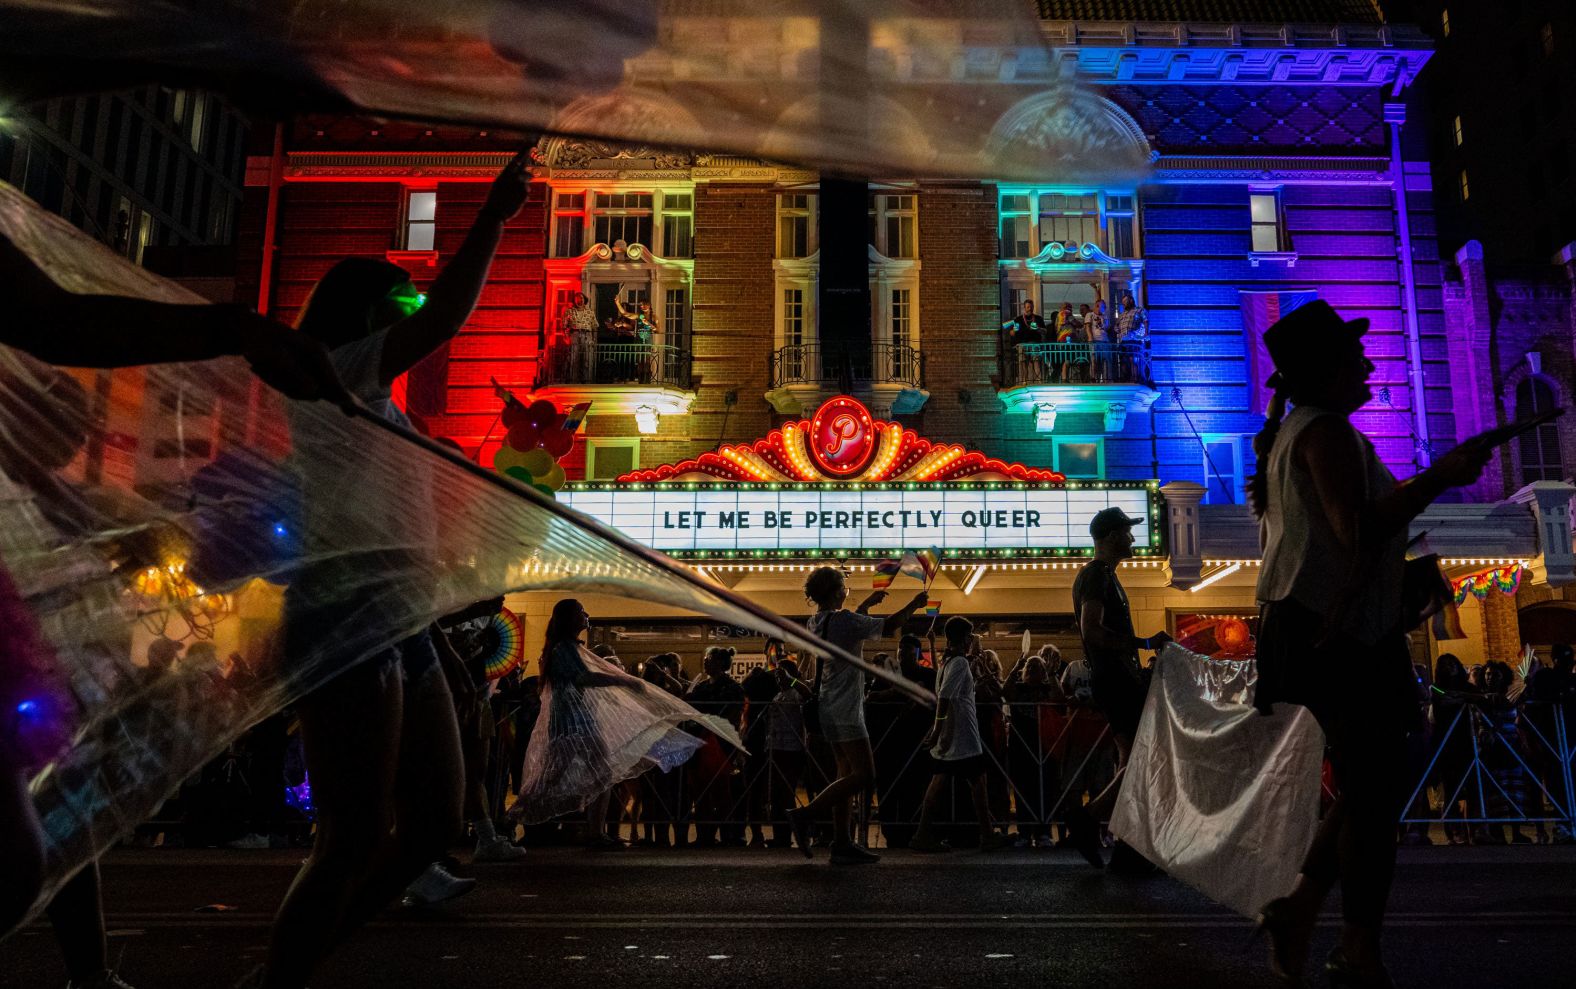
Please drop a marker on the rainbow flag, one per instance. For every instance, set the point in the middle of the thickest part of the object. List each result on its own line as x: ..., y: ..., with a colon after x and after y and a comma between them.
x: 932, y: 608
x: 1447, y: 623
x: 885, y: 571
x: 576, y: 415
x: 920, y: 564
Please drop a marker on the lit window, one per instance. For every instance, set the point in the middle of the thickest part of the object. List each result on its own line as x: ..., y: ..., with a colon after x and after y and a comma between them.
x: 421, y: 220
x: 1540, y: 448
x: 1015, y: 242
x: 793, y: 317
x: 795, y: 225
x: 1080, y: 456
x: 569, y: 224
x: 675, y: 318
x: 1458, y: 132
x: 902, y: 316
x: 892, y: 225
x: 1444, y: 21
x: 1069, y: 218
x: 1548, y: 39
x: 1466, y: 190
x: 1119, y: 223
x: 678, y: 225
x: 622, y: 216
x: 1265, y: 213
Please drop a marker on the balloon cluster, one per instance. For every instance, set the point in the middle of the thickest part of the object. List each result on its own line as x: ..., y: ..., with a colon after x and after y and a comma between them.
x: 535, y: 442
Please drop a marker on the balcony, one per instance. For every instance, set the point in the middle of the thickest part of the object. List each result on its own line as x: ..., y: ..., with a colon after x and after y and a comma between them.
x: 645, y: 380
x: 1070, y: 378
x: 890, y: 380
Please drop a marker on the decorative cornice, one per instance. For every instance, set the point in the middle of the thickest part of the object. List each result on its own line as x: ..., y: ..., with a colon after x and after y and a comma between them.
x: 1229, y: 168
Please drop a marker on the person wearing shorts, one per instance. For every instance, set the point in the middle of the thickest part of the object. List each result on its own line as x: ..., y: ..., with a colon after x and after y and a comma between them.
x: 955, y: 747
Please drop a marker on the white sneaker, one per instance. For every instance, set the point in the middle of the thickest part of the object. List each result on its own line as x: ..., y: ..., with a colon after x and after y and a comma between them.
x: 436, y: 885
x: 249, y: 842
x: 498, y: 850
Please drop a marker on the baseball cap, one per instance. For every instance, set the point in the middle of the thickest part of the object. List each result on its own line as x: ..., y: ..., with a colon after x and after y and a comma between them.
x: 1108, y: 520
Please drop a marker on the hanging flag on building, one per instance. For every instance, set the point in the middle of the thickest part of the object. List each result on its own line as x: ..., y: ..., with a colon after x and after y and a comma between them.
x: 1260, y: 311
x: 885, y: 571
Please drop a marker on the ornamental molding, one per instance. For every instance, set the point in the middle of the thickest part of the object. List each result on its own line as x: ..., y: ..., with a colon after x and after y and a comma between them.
x: 1072, y: 132
x: 1046, y: 402
x: 1282, y: 169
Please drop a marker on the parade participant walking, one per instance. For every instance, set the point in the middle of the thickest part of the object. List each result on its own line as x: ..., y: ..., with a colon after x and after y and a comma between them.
x: 840, y: 693
x: 1334, y: 523
x: 382, y: 740
x: 602, y: 727
x: 955, y: 746
x: 1116, y: 680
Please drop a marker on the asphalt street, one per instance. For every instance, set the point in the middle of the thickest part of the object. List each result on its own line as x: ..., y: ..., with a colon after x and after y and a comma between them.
x: 1479, y: 917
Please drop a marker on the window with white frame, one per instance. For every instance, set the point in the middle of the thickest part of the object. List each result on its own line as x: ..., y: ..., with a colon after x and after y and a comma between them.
x: 675, y: 318
x: 902, y: 313
x: 1223, y: 469
x: 795, y: 225
x: 1016, y: 238
x: 678, y: 225
x: 1069, y: 218
x: 609, y: 457
x: 569, y: 224
x: 1079, y: 456
x: 892, y: 225
x: 798, y: 361
x: 1120, y: 217
x: 420, y: 227
x: 1264, y: 211
x: 622, y: 216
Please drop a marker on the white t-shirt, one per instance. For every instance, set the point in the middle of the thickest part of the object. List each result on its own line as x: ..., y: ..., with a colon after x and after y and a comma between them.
x: 962, y: 739
x: 1075, y: 680
x: 842, y: 701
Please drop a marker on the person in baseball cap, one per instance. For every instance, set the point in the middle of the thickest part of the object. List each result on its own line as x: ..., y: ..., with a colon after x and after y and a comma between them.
x: 1109, y: 520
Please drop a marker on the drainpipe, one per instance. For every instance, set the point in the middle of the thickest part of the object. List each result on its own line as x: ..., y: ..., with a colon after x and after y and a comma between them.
x: 1395, y: 116
x: 276, y: 182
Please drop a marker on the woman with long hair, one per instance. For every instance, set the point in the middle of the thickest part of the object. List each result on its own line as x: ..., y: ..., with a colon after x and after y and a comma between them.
x: 1334, y: 524
x: 840, y: 688
x: 381, y: 738
x: 603, y: 726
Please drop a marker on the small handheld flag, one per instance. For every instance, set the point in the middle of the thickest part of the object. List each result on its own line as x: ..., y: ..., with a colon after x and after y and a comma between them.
x: 576, y: 415
x: 885, y: 571
x: 911, y: 566
x: 932, y: 608
x: 930, y: 560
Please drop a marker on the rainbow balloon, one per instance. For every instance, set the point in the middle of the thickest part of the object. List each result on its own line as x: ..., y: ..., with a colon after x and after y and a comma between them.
x: 510, y: 632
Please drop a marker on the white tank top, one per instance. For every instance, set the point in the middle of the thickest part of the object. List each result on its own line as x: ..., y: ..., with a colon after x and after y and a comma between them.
x: 1302, y: 558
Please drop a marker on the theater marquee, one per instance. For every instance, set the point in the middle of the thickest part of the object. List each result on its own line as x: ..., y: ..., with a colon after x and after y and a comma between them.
x: 961, y: 517
x: 845, y: 483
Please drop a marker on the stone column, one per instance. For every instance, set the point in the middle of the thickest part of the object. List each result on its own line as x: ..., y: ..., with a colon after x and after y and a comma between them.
x: 1184, y: 542
x: 1550, y: 501
x: 1501, y: 628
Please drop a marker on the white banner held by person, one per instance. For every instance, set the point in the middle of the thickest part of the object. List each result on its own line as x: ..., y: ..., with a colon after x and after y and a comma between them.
x: 1218, y: 795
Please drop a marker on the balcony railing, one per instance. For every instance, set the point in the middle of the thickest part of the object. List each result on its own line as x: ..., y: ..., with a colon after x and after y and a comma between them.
x: 600, y: 363
x: 811, y: 363
x: 1076, y: 363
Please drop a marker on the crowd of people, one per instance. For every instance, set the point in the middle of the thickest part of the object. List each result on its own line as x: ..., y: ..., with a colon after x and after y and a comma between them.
x: 1094, y: 344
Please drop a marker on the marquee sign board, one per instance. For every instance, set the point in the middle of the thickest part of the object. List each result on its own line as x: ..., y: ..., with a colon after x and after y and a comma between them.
x: 964, y: 519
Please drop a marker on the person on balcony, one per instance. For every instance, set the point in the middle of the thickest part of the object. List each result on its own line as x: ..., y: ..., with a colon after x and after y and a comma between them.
x: 1066, y: 324
x: 1027, y: 328
x: 1100, y: 368
x: 644, y: 322
x: 580, y: 325
x: 1132, y: 337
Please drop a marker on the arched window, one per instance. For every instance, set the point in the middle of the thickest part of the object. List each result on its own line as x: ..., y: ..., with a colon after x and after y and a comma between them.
x: 1540, y: 449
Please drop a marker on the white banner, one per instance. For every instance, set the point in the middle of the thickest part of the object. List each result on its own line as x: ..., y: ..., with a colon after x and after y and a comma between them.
x: 719, y: 518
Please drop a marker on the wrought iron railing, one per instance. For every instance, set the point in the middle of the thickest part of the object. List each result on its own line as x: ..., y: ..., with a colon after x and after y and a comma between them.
x: 1076, y: 363
x: 811, y: 363
x: 598, y: 363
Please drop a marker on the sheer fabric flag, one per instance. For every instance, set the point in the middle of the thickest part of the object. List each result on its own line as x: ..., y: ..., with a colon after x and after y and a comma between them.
x: 864, y: 87
x: 1219, y: 796
x: 182, y: 591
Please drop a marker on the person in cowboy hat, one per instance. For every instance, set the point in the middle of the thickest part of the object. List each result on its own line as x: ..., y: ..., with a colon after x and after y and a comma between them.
x: 1334, y: 527
x: 1117, y: 681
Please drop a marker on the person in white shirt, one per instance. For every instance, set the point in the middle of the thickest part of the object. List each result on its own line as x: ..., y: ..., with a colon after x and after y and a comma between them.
x: 955, y: 746
x: 581, y: 325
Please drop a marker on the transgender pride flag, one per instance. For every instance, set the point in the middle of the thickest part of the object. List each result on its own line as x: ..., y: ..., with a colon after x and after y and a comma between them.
x: 1260, y: 310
